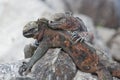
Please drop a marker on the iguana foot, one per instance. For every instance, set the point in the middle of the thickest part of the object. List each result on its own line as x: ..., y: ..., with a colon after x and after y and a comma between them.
x: 77, y: 38
x: 24, y: 70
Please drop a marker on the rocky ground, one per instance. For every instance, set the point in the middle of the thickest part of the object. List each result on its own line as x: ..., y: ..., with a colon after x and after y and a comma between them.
x: 51, y: 67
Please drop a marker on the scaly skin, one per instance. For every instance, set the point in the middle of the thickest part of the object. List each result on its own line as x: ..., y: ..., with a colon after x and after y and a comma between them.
x: 61, y: 21
x: 67, y: 22
x: 84, y: 56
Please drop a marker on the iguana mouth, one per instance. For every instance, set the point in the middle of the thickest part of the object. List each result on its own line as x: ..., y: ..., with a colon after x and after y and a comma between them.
x: 28, y: 35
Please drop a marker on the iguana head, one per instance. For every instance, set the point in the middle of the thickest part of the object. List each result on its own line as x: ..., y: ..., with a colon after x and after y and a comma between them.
x: 60, y: 16
x: 66, y: 21
x: 30, y: 29
x: 35, y: 29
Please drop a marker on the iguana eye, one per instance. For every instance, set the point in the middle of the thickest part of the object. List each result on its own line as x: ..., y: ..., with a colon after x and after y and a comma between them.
x: 50, y: 21
x: 31, y: 30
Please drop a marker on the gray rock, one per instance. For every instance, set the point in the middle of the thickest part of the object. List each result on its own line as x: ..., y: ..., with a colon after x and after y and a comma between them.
x: 55, y: 65
x: 84, y: 76
x: 105, y: 33
x: 112, y: 39
x: 9, y: 70
x: 114, y: 44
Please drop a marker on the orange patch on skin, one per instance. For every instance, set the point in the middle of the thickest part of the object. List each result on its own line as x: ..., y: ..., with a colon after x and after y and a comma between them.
x: 67, y: 43
x: 91, y: 59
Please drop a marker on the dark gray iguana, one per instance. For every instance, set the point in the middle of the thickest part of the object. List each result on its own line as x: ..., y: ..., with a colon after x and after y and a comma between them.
x: 83, y: 55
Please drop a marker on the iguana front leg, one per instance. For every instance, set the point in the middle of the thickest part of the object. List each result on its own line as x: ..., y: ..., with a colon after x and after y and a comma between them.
x: 40, y: 51
x: 30, y: 49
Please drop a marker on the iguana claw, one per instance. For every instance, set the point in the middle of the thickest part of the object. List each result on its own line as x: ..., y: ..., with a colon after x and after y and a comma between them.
x: 23, y: 69
x: 79, y: 40
x: 77, y: 37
